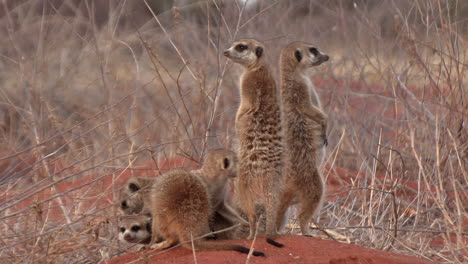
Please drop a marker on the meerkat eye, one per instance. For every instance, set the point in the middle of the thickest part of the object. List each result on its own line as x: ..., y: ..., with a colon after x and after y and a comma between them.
x: 314, y: 51
x: 133, y: 187
x: 241, y: 47
x: 122, y: 229
x: 135, y: 228
x: 226, y: 163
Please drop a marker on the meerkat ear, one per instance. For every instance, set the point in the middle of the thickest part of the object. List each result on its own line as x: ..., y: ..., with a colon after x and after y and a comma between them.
x: 133, y: 187
x: 259, y: 52
x: 226, y: 163
x: 298, y: 55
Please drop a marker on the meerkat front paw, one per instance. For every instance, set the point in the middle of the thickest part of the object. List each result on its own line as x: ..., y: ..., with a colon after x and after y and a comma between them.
x: 325, y: 140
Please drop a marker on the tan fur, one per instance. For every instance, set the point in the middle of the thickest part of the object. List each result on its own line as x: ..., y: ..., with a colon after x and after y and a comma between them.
x: 304, y: 127
x: 258, y: 127
x: 135, y: 229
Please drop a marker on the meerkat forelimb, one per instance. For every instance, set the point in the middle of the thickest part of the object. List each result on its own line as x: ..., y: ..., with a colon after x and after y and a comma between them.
x: 304, y: 127
x: 258, y: 127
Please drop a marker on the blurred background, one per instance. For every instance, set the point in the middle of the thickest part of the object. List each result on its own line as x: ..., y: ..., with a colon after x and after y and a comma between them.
x: 96, y: 89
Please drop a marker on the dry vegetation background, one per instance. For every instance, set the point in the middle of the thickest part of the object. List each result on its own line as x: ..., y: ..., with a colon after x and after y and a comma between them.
x: 90, y: 88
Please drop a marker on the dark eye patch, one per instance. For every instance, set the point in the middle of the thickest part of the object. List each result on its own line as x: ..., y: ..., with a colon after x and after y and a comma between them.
x: 133, y: 187
x: 226, y: 163
x: 241, y: 47
x: 314, y: 51
x: 298, y: 55
x: 135, y: 228
x: 122, y: 229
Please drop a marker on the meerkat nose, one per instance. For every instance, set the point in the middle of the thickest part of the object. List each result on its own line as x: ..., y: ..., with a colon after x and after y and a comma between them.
x: 326, y: 57
x: 124, y: 205
x: 226, y: 53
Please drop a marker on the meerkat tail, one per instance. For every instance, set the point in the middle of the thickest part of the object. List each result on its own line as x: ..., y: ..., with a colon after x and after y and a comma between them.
x: 270, y: 241
x: 211, y: 245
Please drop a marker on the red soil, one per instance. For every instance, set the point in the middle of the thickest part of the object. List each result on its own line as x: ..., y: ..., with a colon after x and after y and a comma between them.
x: 298, y: 249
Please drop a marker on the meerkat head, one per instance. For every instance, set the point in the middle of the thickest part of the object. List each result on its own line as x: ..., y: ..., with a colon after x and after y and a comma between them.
x: 218, y: 167
x: 246, y: 52
x: 131, y: 195
x: 221, y: 164
x: 302, y: 56
x: 135, y: 229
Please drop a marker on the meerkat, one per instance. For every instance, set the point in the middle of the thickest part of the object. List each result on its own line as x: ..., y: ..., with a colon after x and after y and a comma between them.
x: 181, y: 210
x: 304, y: 127
x: 135, y: 229
x: 258, y: 127
x: 133, y: 194
x: 219, y: 166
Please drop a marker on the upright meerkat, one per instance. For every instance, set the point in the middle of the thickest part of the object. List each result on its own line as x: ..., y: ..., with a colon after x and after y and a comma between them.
x: 135, y: 229
x: 258, y: 127
x: 304, y: 127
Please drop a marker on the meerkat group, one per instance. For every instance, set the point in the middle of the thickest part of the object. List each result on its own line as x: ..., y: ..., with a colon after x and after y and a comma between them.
x: 281, y: 143
x: 181, y: 204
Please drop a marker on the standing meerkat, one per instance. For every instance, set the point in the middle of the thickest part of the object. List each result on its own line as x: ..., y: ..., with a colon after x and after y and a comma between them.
x: 258, y: 127
x: 304, y: 132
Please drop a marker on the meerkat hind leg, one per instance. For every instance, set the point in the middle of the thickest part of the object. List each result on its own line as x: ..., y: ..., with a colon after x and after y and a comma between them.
x: 307, y: 209
x: 286, y: 201
x: 249, y: 208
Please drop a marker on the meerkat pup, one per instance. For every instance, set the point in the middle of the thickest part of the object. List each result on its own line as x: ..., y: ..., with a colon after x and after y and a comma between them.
x: 135, y: 229
x: 181, y: 210
x: 133, y: 195
x: 258, y: 127
x: 220, y: 166
x: 304, y: 127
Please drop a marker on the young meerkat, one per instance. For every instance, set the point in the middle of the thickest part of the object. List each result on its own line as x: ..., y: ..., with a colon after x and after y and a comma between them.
x: 135, y: 229
x: 304, y: 127
x: 219, y: 166
x: 181, y: 209
x: 258, y: 127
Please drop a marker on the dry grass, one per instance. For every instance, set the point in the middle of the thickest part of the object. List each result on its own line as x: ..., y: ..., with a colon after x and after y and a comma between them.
x: 83, y: 98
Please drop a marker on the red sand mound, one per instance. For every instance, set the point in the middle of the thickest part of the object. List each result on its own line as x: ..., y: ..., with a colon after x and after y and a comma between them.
x: 298, y: 249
